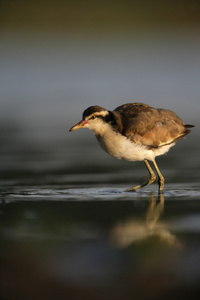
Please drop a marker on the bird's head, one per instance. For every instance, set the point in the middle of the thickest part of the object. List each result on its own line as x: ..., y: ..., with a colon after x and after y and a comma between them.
x: 94, y: 118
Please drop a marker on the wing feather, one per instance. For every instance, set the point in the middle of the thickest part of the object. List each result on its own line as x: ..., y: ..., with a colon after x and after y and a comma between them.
x: 145, y: 125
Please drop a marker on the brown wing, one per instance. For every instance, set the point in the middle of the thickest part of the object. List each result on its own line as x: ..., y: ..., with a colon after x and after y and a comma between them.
x: 145, y: 125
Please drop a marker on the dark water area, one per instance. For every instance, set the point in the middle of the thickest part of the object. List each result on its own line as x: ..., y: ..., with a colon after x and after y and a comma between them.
x: 69, y: 230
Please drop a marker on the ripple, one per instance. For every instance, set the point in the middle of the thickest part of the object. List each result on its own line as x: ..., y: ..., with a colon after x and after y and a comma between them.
x: 100, y: 193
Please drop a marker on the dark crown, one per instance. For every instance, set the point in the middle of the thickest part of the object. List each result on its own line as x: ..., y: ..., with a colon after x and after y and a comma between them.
x: 92, y: 109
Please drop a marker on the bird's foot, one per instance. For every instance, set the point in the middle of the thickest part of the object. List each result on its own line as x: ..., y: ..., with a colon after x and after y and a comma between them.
x: 134, y: 189
x: 149, y: 181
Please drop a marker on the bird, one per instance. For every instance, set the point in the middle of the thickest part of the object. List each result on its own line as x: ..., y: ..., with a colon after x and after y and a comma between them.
x: 135, y: 132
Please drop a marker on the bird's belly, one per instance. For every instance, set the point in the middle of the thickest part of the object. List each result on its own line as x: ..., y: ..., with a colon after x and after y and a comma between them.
x: 120, y: 147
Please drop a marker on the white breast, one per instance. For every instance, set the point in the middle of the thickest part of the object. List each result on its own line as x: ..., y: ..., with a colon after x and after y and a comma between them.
x: 120, y: 147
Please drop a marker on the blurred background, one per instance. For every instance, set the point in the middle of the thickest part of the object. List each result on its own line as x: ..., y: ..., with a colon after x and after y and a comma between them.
x: 59, y: 57
x: 67, y: 229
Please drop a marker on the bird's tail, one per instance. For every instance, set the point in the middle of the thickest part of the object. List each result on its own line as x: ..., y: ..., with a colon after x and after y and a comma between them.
x: 189, y: 126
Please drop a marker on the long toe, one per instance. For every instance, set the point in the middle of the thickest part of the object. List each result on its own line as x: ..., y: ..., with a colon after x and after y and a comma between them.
x: 134, y: 189
x: 137, y: 187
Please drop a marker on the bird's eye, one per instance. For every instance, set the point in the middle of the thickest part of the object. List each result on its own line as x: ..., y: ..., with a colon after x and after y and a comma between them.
x: 93, y: 117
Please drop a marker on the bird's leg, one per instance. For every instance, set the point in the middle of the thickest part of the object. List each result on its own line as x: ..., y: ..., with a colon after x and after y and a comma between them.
x: 161, y: 178
x: 149, y: 181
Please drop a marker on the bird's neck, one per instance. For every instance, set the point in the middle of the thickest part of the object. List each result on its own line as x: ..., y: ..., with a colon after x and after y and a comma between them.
x: 100, y: 128
x: 112, y: 124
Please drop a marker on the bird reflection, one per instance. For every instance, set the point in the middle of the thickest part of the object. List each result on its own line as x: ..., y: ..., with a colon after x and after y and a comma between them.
x: 133, y: 230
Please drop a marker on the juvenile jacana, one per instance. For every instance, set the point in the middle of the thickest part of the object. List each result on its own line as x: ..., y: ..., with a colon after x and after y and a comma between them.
x: 135, y: 132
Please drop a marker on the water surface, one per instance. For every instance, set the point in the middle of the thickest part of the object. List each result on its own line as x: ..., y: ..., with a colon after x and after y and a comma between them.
x: 77, y: 234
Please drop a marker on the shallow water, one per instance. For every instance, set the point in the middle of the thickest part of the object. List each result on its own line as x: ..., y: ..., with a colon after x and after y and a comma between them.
x: 77, y: 234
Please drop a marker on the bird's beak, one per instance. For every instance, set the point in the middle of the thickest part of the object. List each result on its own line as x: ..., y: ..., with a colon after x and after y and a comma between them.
x: 79, y: 125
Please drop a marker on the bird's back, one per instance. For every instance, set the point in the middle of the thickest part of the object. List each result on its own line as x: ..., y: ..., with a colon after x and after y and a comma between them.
x: 145, y: 125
